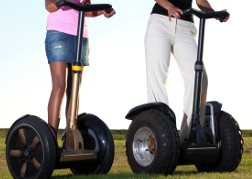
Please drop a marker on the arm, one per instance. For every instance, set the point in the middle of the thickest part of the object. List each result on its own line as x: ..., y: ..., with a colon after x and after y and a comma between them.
x: 172, y: 10
x: 51, y: 6
x: 205, y: 6
x: 97, y: 13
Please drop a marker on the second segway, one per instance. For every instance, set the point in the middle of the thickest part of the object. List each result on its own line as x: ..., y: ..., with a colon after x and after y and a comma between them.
x: 153, y: 146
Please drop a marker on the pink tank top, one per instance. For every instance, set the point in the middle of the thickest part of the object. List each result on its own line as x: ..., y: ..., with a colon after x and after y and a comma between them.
x: 66, y: 20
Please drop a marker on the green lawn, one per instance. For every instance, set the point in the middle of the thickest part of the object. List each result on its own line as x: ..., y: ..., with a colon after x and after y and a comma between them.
x: 121, y: 169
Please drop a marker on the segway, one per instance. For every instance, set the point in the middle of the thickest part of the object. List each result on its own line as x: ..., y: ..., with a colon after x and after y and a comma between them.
x: 31, y: 148
x: 215, y: 144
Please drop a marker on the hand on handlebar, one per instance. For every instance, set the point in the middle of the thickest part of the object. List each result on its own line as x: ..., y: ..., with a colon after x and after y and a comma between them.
x: 51, y: 6
x: 174, y: 11
x: 224, y: 20
x: 110, y: 14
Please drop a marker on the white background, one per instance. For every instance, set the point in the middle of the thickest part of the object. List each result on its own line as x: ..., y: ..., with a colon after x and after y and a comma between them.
x: 115, y: 80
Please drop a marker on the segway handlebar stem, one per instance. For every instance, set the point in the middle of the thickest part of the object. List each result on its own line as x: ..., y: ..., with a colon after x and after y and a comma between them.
x: 197, y: 134
x: 82, y: 8
x: 73, y: 135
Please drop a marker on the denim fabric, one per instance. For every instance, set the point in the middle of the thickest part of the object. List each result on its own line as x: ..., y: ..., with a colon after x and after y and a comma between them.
x: 61, y: 47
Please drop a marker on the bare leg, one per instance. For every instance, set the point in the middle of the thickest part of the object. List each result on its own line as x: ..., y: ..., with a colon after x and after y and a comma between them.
x: 58, y: 73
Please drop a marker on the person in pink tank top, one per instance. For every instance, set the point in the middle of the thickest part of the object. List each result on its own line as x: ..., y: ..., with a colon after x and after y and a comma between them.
x: 60, y: 47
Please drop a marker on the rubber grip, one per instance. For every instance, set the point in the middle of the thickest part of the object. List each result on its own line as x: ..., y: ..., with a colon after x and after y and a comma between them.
x: 108, y: 10
x: 59, y: 3
x: 222, y: 18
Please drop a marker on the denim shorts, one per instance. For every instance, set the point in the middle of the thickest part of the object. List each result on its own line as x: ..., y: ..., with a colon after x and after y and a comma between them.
x: 61, y: 47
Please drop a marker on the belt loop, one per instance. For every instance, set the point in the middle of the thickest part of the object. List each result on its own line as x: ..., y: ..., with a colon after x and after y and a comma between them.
x: 175, y: 25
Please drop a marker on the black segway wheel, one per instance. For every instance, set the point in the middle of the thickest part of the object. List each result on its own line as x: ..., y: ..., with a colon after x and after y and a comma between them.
x: 152, y: 144
x: 30, y: 149
x: 230, y: 145
x: 96, y: 136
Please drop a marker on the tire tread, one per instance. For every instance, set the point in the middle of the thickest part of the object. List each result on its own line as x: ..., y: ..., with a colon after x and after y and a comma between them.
x: 167, y: 135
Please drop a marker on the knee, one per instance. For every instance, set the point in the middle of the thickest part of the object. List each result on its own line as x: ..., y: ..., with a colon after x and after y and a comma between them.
x: 59, y: 85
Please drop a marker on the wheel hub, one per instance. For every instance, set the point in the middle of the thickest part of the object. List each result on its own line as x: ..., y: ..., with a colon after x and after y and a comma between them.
x: 152, y: 146
x: 26, y: 153
x: 144, y: 146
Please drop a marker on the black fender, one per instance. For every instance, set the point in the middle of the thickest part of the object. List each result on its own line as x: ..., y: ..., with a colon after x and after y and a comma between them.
x: 90, y: 121
x: 161, y: 107
x: 37, y: 118
x: 217, y: 110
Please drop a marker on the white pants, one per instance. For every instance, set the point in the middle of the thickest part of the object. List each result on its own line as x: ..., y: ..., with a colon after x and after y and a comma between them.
x: 164, y: 37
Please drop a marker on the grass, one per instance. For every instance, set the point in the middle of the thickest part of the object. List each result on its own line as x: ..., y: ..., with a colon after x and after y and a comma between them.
x: 121, y: 169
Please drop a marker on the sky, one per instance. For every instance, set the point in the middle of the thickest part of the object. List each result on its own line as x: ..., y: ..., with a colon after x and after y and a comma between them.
x: 115, y: 81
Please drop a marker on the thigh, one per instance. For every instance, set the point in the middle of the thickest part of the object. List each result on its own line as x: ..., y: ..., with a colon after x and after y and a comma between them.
x: 185, y: 48
x: 59, y: 73
x: 185, y: 51
x: 158, y: 42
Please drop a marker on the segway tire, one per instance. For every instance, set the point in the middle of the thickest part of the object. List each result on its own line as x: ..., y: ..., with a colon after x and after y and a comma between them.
x: 230, y: 144
x: 30, y: 149
x: 152, y: 144
x: 106, y: 152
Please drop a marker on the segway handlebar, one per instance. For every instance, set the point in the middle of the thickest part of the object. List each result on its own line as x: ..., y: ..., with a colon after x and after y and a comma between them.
x: 206, y: 15
x: 85, y: 7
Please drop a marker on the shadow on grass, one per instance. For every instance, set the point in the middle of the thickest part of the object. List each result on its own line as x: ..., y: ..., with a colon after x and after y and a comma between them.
x: 126, y: 176
x: 185, y: 173
x: 62, y: 176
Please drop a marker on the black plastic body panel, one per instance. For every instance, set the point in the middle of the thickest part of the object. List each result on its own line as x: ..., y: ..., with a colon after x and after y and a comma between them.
x: 90, y: 121
x: 162, y: 107
x: 203, y: 155
x: 217, y: 108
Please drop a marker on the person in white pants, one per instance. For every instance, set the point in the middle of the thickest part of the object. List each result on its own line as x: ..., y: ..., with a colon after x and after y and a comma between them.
x: 168, y: 33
